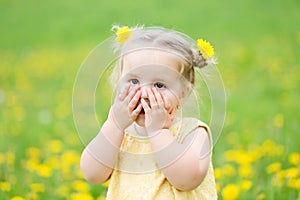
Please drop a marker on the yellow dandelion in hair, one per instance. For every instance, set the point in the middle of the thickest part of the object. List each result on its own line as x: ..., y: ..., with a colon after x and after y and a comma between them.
x: 123, y: 34
x: 205, y: 48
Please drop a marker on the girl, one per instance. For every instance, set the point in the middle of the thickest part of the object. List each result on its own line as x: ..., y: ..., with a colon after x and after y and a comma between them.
x: 144, y: 148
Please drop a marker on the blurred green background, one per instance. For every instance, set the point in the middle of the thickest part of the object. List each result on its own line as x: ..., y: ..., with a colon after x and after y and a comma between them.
x: 43, y: 43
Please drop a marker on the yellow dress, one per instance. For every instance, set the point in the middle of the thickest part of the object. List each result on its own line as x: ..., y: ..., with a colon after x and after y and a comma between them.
x: 137, y: 177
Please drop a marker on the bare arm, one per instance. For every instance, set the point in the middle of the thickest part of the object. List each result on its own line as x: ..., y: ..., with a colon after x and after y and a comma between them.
x: 185, y: 165
x: 99, y: 157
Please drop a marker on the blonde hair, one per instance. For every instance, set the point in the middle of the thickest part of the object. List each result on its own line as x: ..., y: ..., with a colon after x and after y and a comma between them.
x: 166, y: 40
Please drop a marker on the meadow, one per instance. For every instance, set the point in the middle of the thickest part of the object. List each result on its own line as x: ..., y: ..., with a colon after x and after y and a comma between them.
x: 43, y: 43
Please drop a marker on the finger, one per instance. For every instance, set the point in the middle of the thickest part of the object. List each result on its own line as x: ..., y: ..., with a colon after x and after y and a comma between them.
x: 136, y: 112
x: 134, y: 101
x: 132, y: 93
x: 166, y: 102
x: 145, y: 105
x: 152, y: 99
x: 158, y: 97
x: 123, y: 92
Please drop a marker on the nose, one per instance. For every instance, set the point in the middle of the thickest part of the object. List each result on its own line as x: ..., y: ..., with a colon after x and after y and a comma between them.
x: 144, y: 91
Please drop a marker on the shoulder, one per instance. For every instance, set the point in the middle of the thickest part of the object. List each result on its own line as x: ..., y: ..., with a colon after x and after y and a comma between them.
x: 188, y: 125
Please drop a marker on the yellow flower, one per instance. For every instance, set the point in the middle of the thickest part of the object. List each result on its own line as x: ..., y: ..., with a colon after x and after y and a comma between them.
x: 274, y: 167
x: 81, y: 196
x: 240, y: 157
x: 294, y: 183
x: 230, y: 155
x: 292, y: 172
x: 294, y: 158
x: 37, y: 187
x: 5, y: 186
x: 10, y: 157
x: 80, y: 186
x: 31, y: 164
x: 106, y: 184
x: 32, y: 196
x: 33, y: 152
x: 229, y: 170
x: 17, y: 198
x: 245, y: 170
x: 218, y: 187
x: 55, y: 146
x: 100, y: 198
x: 244, y: 158
x: 44, y: 170
x: 205, y: 48
x: 63, y: 191
x: 218, y: 173
x: 70, y: 157
x: 123, y: 34
x: 246, y: 185
x: 230, y: 192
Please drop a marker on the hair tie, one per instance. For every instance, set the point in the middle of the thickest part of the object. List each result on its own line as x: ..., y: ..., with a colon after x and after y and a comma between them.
x: 123, y: 33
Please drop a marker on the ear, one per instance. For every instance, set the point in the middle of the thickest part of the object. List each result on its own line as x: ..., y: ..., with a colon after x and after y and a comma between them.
x: 186, y: 91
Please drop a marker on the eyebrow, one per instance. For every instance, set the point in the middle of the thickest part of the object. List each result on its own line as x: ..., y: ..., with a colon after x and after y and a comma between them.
x: 131, y: 75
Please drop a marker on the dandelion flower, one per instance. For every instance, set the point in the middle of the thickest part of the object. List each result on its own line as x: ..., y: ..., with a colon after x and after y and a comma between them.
x: 294, y: 183
x: 5, y: 186
x: 17, y: 198
x: 37, y: 187
x: 81, y: 196
x: 230, y: 192
x: 80, y: 186
x: 246, y: 185
x: 294, y: 158
x: 123, y: 34
x: 274, y: 167
x: 205, y: 48
x: 292, y: 172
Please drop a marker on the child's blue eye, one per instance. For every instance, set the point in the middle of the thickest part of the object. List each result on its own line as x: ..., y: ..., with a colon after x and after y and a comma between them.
x: 159, y: 85
x: 134, y: 81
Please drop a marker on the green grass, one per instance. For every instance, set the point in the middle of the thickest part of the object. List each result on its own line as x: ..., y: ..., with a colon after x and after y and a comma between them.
x: 42, y: 45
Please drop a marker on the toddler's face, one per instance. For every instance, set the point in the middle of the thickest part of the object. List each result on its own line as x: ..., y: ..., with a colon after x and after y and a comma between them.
x: 152, y: 68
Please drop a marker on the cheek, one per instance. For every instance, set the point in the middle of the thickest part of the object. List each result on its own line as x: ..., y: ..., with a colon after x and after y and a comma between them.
x: 172, y: 99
